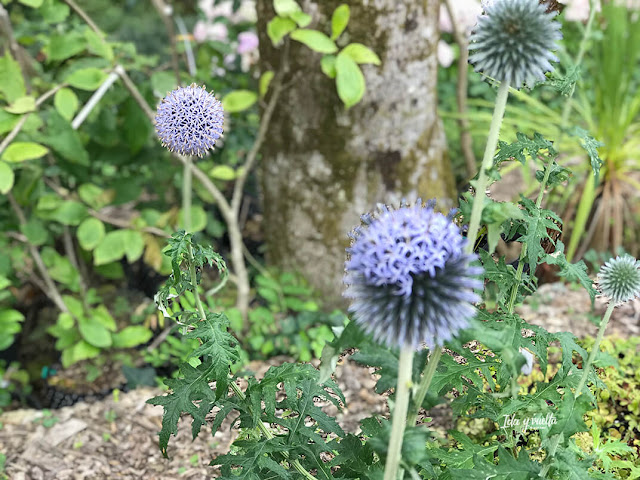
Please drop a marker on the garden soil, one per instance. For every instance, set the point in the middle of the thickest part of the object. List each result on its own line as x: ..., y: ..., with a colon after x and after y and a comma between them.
x: 111, y: 439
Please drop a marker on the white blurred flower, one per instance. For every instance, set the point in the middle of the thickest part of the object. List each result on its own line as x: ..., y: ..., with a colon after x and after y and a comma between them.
x: 445, y: 54
x: 203, y: 31
x: 578, y: 10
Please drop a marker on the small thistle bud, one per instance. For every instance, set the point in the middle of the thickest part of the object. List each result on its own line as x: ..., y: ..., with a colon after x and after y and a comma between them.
x: 189, y: 120
x: 513, y: 40
x: 409, y: 277
x: 619, y: 279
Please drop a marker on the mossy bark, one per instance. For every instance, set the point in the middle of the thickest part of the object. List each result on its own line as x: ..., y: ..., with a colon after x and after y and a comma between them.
x: 322, y: 165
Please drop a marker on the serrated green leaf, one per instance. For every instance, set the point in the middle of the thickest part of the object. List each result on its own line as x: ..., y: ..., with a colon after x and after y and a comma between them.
x: 361, y: 54
x: 21, y: 151
x: 239, y: 100
x: 90, y: 233
x: 572, y: 272
x: 7, y: 177
x: 87, y: 78
x: 349, y: 80
x: 339, y: 20
x: 523, y: 146
x: 591, y: 146
x: 66, y: 102
x: 192, y: 386
x: 278, y: 28
x: 315, y: 40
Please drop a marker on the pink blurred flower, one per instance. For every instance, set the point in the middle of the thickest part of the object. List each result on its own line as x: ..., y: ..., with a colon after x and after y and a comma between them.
x: 247, y: 42
x: 578, y: 10
x: 466, y: 14
x: 445, y: 54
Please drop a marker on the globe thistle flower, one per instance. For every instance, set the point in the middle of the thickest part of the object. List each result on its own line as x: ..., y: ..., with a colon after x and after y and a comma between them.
x: 409, y: 278
x: 189, y: 120
x: 619, y: 279
x: 513, y: 40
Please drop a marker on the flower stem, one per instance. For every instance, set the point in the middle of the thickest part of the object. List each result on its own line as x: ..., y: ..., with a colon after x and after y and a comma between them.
x: 487, y: 161
x: 596, y: 346
x: 423, y: 388
x: 187, y: 177
x: 394, y: 454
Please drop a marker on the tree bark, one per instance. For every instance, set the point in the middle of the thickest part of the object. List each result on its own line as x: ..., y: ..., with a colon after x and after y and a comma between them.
x: 323, y: 166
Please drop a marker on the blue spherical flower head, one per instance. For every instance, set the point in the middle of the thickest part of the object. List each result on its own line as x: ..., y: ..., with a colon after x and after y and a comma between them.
x: 190, y: 120
x: 513, y: 41
x: 408, y: 277
x: 619, y: 278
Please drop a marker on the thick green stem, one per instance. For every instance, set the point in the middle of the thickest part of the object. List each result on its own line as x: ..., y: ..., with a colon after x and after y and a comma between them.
x: 187, y: 177
x: 425, y: 382
x: 596, y: 347
x: 394, y: 455
x: 487, y: 162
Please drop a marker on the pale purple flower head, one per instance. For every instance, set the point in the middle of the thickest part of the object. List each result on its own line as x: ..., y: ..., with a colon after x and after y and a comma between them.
x: 189, y: 120
x: 409, y: 278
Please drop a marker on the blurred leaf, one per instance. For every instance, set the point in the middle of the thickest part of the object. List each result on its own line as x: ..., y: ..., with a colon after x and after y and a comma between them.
x: 90, y: 233
x: 239, y: 100
x: 21, y: 151
x: 31, y: 3
x: 132, y: 336
x: 54, y: 11
x: 80, y: 351
x: 22, y: 105
x: 101, y: 315
x: 222, y: 172
x: 339, y: 20
x: 94, y: 333
x: 111, y: 248
x: 66, y: 103
x: 316, y: 41
x: 87, y: 78
x: 35, y: 231
x: 134, y: 245
x: 349, y: 80
x: 70, y: 213
x: 11, y: 81
x: 163, y: 82
x: 198, y: 219
x: 98, y: 45
x: 301, y: 18
x: 9, y: 326
x: 7, y: 178
x: 136, y: 125
x: 64, y: 140
x: 265, y: 81
x: 95, y: 196
x: 278, y: 27
x: 63, y: 46
x: 328, y: 65
x: 361, y: 54
x: 62, y: 271
x: 285, y: 7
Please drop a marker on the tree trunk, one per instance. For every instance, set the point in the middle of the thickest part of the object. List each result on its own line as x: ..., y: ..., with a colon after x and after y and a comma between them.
x: 323, y: 166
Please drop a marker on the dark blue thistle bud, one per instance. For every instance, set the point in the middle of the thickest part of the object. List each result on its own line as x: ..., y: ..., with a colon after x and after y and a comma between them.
x: 619, y: 279
x: 189, y: 120
x: 513, y: 41
x: 408, y: 277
